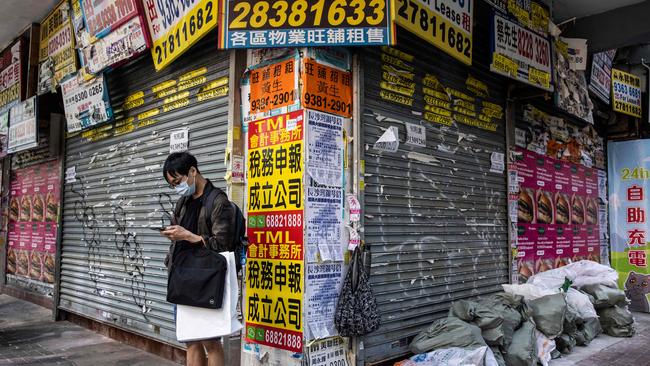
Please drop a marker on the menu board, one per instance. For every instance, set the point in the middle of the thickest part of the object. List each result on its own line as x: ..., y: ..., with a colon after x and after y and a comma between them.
x: 33, y: 219
x: 557, y: 213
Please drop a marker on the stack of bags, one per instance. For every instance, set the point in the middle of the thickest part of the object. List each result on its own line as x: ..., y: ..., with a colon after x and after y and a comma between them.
x: 530, y: 323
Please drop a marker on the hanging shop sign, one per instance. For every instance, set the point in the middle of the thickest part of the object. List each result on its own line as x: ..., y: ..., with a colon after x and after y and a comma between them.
x: 284, y: 23
x: 601, y: 75
x: 57, y: 55
x: 23, y: 126
x: 275, y: 264
x: 326, y: 89
x: 103, y: 17
x: 176, y: 25
x: 626, y: 92
x: 12, y: 87
x: 446, y: 25
x: 123, y: 43
x: 520, y: 53
x: 86, y: 103
x: 629, y: 186
x: 33, y: 218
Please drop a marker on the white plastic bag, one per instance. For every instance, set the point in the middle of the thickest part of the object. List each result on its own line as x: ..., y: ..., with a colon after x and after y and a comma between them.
x: 448, y: 357
x: 580, y: 304
x: 528, y: 291
x: 545, y: 347
x: 592, y: 273
x: 552, y: 279
x: 193, y: 323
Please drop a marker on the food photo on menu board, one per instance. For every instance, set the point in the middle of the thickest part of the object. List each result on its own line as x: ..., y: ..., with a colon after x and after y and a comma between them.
x: 33, y: 220
x: 557, y: 212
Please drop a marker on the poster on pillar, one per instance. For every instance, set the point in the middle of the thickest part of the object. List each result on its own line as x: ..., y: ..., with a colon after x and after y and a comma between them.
x: 275, y: 268
x: 305, y: 23
x: 557, y: 213
x: 33, y: 218
x: 629, y: 186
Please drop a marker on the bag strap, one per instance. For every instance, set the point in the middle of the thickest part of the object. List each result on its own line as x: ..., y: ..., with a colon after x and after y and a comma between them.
x: 208, y: 202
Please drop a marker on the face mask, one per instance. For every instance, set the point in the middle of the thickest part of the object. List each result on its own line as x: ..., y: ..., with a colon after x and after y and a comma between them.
x: 185, y: 189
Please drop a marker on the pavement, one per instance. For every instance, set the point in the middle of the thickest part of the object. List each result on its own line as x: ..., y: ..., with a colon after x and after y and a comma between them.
x: 29, y: 336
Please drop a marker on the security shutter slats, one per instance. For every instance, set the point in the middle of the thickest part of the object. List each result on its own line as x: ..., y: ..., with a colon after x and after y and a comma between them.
x: 107, y: 212
x: 435, y: 217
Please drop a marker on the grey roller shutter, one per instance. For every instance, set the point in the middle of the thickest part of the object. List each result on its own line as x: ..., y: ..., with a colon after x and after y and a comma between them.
x: 435, y: 222
x: 112, y: 265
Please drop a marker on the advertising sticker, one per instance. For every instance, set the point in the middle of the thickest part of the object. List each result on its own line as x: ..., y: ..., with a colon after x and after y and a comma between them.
x: 626, y: 93
x: 86, y: 103
x: 23, y: 126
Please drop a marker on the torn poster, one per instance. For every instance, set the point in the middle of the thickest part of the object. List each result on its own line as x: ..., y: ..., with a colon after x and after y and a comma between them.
x: 324, y: 210
x: 71, y: 174
x: 355, y: 208
x: 323, y: 288
x: 389, y: 141
x: 355, y: 239
x: 416, y: 135
x: 325, y: 136
x: 497, y: 162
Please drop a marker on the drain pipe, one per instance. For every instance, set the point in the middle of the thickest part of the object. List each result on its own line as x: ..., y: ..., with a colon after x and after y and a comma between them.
x: 647, y: 85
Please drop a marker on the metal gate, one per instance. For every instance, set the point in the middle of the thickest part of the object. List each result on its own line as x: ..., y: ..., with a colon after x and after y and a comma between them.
x: 435, y: 217
x: 112, y: 261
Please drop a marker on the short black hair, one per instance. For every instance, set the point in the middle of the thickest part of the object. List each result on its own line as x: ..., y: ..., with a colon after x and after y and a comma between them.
x: 179, y: 163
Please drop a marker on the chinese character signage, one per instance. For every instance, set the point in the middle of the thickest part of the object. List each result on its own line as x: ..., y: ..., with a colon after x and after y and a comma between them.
x: 446, y: 25
x: 23, y: 126
x: 626, y: 93
x: 285, y: 23
x: 556, y: 213
x: 275, y: 269
x: 520, y: 53
x: 601, y: 74
x: 629, y: 186
x: 175, y: 25
x: 114, y: 32
x: 33, y: 220
x: 57, y: 55
x: 11, y: 75
x: 326, y: 89
x: 274, y: 86
x: 86, y: 103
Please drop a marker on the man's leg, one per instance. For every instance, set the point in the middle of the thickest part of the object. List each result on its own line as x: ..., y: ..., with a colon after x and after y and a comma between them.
x: 215, y: 352
x: 196, y: 354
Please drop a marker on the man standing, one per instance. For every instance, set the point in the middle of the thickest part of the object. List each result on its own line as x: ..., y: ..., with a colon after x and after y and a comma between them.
x: 190, y: 228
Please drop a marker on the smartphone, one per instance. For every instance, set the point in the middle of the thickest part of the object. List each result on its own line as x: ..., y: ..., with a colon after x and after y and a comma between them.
x: 158, y: 228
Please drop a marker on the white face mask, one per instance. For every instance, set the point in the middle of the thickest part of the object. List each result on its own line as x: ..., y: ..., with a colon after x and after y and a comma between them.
x: 184, y: 189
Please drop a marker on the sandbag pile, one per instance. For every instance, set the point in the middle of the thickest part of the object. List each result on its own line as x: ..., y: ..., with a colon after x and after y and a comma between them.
x: 528, y: 324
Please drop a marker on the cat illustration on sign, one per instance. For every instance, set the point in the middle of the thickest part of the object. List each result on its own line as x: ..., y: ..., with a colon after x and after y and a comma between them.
x: 637, y: 287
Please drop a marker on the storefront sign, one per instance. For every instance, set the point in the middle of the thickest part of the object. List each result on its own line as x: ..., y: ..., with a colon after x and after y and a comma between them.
x: 86, y: 103
x: 11, y: 75
x: 33, y: 217
x: 123, y: 43
x: 326, y: 89
x: 629, y: 186
x: 626, y: 91
x: 305, y: 23
x: 176, y: 25
x: 57, y: 55
x: 274, y: 86
x: 275, y: 267
x: 23, y: 126
x: 445, y: 24
x: 105, y: 16
x: 601, y: 75
x: 520, y: 54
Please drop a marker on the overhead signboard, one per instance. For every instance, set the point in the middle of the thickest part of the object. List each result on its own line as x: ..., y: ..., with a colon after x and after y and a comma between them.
x: 11, y: 75
x: 176, y: 25
x: 301, y: 23
x: 601, y: 75
x: 86, y: 103
x: 446, y: 25
x: 520, y: 53
x: 57, y: 54
x: 23, y: 126
x: 626, y: 93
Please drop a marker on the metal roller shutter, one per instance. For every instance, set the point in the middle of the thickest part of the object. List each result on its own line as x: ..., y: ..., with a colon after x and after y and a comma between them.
x: 112, y: 265
x: 435, y: 222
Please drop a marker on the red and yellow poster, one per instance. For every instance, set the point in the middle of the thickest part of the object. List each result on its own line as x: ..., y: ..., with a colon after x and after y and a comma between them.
x: 33, y: 218
x: 275, y: 267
